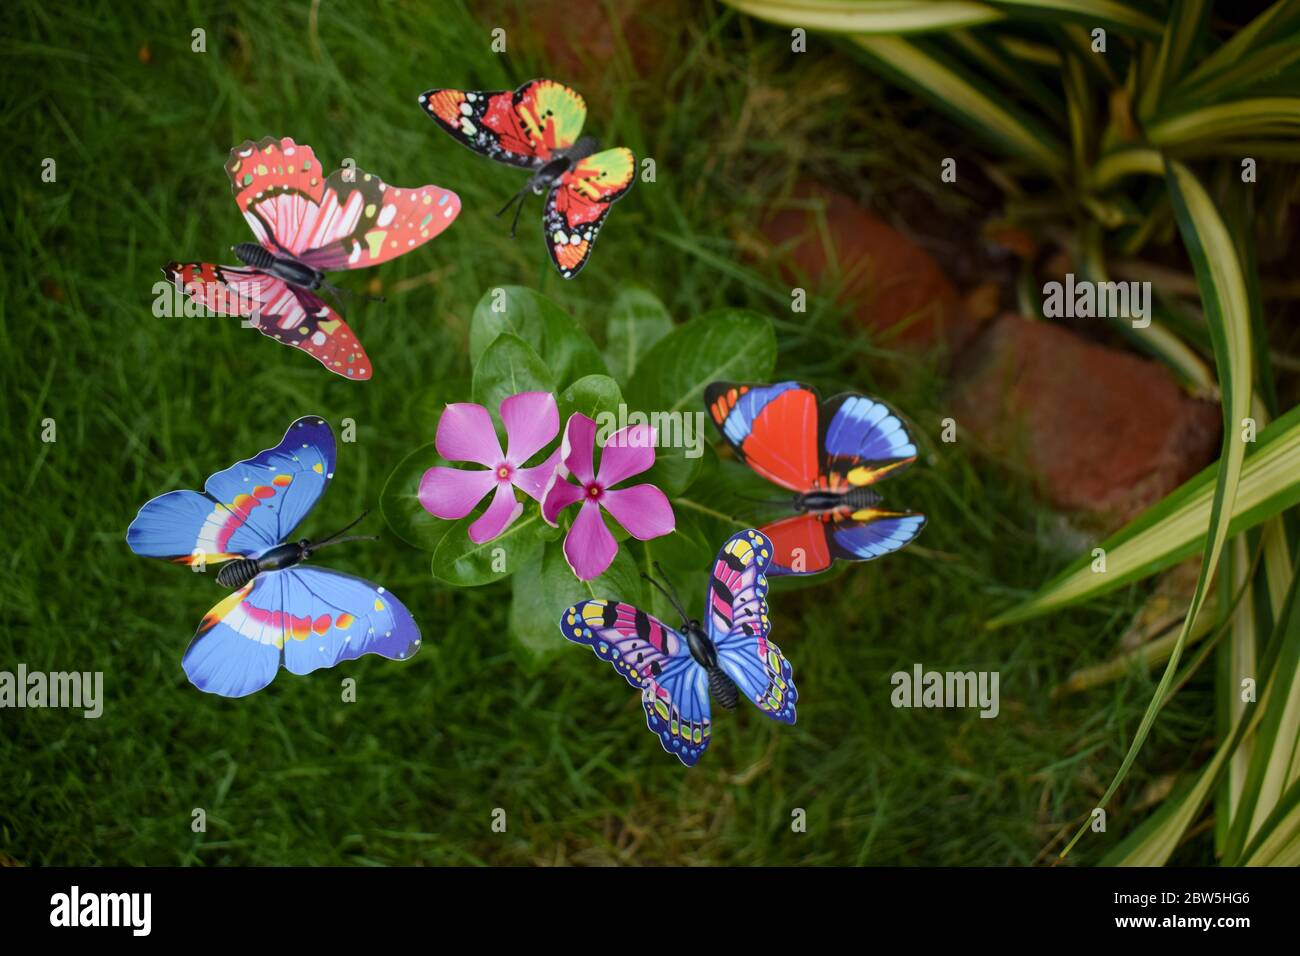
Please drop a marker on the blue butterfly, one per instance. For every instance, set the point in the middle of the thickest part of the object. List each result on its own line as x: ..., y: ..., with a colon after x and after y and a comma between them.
x: 676, y: 670
x: 281, y: 613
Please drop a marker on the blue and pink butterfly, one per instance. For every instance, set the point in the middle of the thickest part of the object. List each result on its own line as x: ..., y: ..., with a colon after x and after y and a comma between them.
x: 728, y: 656
x: 280, y: 612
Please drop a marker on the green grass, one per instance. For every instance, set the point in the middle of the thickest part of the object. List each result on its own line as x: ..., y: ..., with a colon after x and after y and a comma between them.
x: 412, y: 771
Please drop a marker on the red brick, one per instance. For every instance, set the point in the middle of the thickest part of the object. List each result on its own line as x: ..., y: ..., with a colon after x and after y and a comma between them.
x: 893, y: 286
x: 1098, y: 430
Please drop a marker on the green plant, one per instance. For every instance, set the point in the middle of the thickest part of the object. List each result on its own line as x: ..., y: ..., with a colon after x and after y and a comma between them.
x: 1087, y: 97
x: 521, y: 341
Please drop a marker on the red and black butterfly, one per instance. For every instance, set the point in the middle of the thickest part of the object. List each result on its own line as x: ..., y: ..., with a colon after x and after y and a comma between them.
x: 538, y: 127
x: 830, y: 454
x: 306, y: 224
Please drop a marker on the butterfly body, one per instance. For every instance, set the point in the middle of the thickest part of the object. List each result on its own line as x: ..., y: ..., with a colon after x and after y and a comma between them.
x: 678, y: 671
x: 831, y: 454
x: 705, y: 653
x: 537, y: 127
x: 281, y: 612
x: 834, y: 502
x: 235, y: 574
x: 563, y: 161
x: 283, y: 267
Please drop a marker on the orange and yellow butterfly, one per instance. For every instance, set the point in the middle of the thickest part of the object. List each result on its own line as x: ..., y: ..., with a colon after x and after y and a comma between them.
x: 538, y: 127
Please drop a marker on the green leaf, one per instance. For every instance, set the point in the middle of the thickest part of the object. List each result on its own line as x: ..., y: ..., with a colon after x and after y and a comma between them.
x: 1226, y: 299
x: 509, y: 366
x: 546, y: 587
x: 458, y: 560
x: 726, y: 344
x: 567, y: 350
x: 591, y: 395
x: 971, y: 101
x: 882, y: 16
x: 400, y: 503
x: 684, y: 558
x: 1263, y: 116
x: 733, y: 344
x: 637, y: 320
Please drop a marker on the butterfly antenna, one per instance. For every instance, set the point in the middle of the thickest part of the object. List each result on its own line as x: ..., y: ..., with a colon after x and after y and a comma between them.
x: 672, y: 597
x: 338, y: 536
x: 519, y: 198
x: 766, y: 501
x: 349, y: 294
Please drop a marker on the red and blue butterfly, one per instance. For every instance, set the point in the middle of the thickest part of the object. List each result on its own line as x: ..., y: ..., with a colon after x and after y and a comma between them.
x: 308, y: 223
x: 280, y: 613
x: 830, y: 454
x: 677, y: 669
x: 538, y: 127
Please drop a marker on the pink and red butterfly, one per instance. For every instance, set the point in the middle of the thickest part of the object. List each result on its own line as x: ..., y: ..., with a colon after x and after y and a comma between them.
x: 306, y: 224
x: 830, y: 454
x: 538, y: 127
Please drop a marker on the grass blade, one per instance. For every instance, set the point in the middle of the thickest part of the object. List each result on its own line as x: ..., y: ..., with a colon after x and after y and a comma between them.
x: 1227, y: 311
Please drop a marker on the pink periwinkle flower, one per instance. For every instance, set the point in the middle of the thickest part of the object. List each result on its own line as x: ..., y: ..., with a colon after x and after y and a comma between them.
x: 465, y: 433
x: 642, y: 509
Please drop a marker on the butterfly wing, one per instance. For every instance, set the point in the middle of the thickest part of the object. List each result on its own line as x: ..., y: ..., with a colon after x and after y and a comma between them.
x: 277, y: 185
x: 346, y: 220
x: 809, y: 544
x: 302, y: 618
x: 291, y: 316
x: 872, y: 533
x: 773, y: 429
x: 799, y: 542
x: 245, y: 509
x: 521, y: 128
x: 362, y: 221
x: 655, y: 659
x: 576, y: 208
x: 738, y: 623
x: 864, y: 441
x: 236, y: 650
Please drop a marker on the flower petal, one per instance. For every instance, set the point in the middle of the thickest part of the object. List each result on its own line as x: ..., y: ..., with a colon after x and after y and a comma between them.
x: 532, y: 419
x: 465, y: 433
x: 559, y: 496
x: 642, y: 509
x: 629, y: 451
x: 452, y: 493
x: 589, y: 547
x: 499, y: 515
x: 578, y: 450
x: 533, y: 481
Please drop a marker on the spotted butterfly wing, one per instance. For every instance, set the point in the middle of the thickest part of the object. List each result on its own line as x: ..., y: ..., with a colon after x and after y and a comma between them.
x: 522, y: 127
x: 786, y: 434
x: 301, y: 618
x: 737, y: 621
x: 655, y: 659
x: 291, y: 316
x: 577, y: 207
x: 348, y: 219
